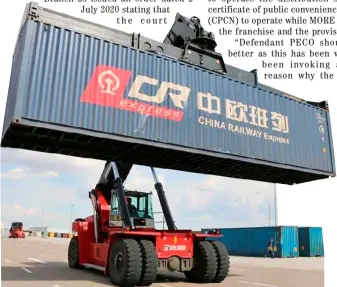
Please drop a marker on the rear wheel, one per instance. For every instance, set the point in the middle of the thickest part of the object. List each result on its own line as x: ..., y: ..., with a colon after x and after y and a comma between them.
x: 73, y: 254
x: 125, y: 263
x: 205, y: 268
x: 223, y: 261
x: 150, y: 262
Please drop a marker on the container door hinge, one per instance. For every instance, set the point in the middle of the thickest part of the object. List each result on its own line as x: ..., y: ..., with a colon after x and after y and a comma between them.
x: 33, y: 11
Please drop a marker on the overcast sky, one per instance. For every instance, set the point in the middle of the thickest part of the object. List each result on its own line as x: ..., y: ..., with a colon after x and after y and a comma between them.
x: 53, y: 182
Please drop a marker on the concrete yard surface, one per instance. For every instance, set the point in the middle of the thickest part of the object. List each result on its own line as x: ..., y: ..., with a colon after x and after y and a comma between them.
x: 299, y: 263
x: 43, y: 262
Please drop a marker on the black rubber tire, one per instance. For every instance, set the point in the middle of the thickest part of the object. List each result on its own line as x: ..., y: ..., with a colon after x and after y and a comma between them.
x: 79, y: 220
x: 223, y: 261
x: 131, y: 272
x: 206, y: 263
x: 150, y: 263
x: 23, y: 235
x: 14, y: 235
x: 73, y: 254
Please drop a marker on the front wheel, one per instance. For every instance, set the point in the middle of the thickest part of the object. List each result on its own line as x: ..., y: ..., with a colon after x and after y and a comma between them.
x: 223, y: 261
x: 150, y: 262
x: 125, y: 263
x: 73, y: 254
x: 206, y: 263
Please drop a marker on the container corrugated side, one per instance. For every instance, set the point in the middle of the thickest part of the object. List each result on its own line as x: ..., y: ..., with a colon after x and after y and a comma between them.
x: 13, y: 98
x: 311, y: 241
x: 289, y: 241
x: 316, y: 241
x: 253, y: 241
x: 52, y: 91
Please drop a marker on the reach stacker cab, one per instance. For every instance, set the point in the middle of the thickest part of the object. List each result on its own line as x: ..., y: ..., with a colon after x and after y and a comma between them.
x: 139, y: 206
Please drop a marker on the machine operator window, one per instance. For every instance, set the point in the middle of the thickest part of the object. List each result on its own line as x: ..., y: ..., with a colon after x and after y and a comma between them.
x: 145, y: 206
x: 132, y: 206
x: 114, y: 205
x: 139, y: 205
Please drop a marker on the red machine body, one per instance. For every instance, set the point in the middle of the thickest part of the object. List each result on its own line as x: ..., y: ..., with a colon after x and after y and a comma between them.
x: 169, y: 245
x: 16, y: 230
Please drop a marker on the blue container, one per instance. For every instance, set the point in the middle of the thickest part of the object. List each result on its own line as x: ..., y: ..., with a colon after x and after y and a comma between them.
x: 76, y: 88
x: 253, y: 241
x: 310, y: 241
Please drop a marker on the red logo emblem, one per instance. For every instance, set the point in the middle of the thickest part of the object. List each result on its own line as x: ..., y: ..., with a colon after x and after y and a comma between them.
x: 107, y: 87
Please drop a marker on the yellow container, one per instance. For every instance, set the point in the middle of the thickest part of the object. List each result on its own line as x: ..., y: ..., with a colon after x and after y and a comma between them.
x: 51, y: 234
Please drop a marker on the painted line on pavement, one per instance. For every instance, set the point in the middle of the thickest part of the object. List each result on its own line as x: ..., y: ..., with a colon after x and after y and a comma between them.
x: 56, y: 285
x: 164, y: 285
x: 7, y: 261
x: 36, y: 260
x: 27, y: 270
x: 259, y: 284
x: 236, y: 269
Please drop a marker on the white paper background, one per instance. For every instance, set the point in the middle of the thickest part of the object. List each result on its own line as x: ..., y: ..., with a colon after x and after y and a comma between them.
x: 309, y: 204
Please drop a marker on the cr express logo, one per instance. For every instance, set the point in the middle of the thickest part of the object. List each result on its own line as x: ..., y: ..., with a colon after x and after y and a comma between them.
x: 107, y: 86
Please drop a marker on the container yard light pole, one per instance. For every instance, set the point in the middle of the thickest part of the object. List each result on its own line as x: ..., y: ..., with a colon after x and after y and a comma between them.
x: 71, y: 217
x: 42, y: 212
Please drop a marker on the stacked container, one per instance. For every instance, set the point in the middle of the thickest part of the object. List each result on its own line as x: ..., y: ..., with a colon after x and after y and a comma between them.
x: 253, y: 241
x: 310, y: 241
